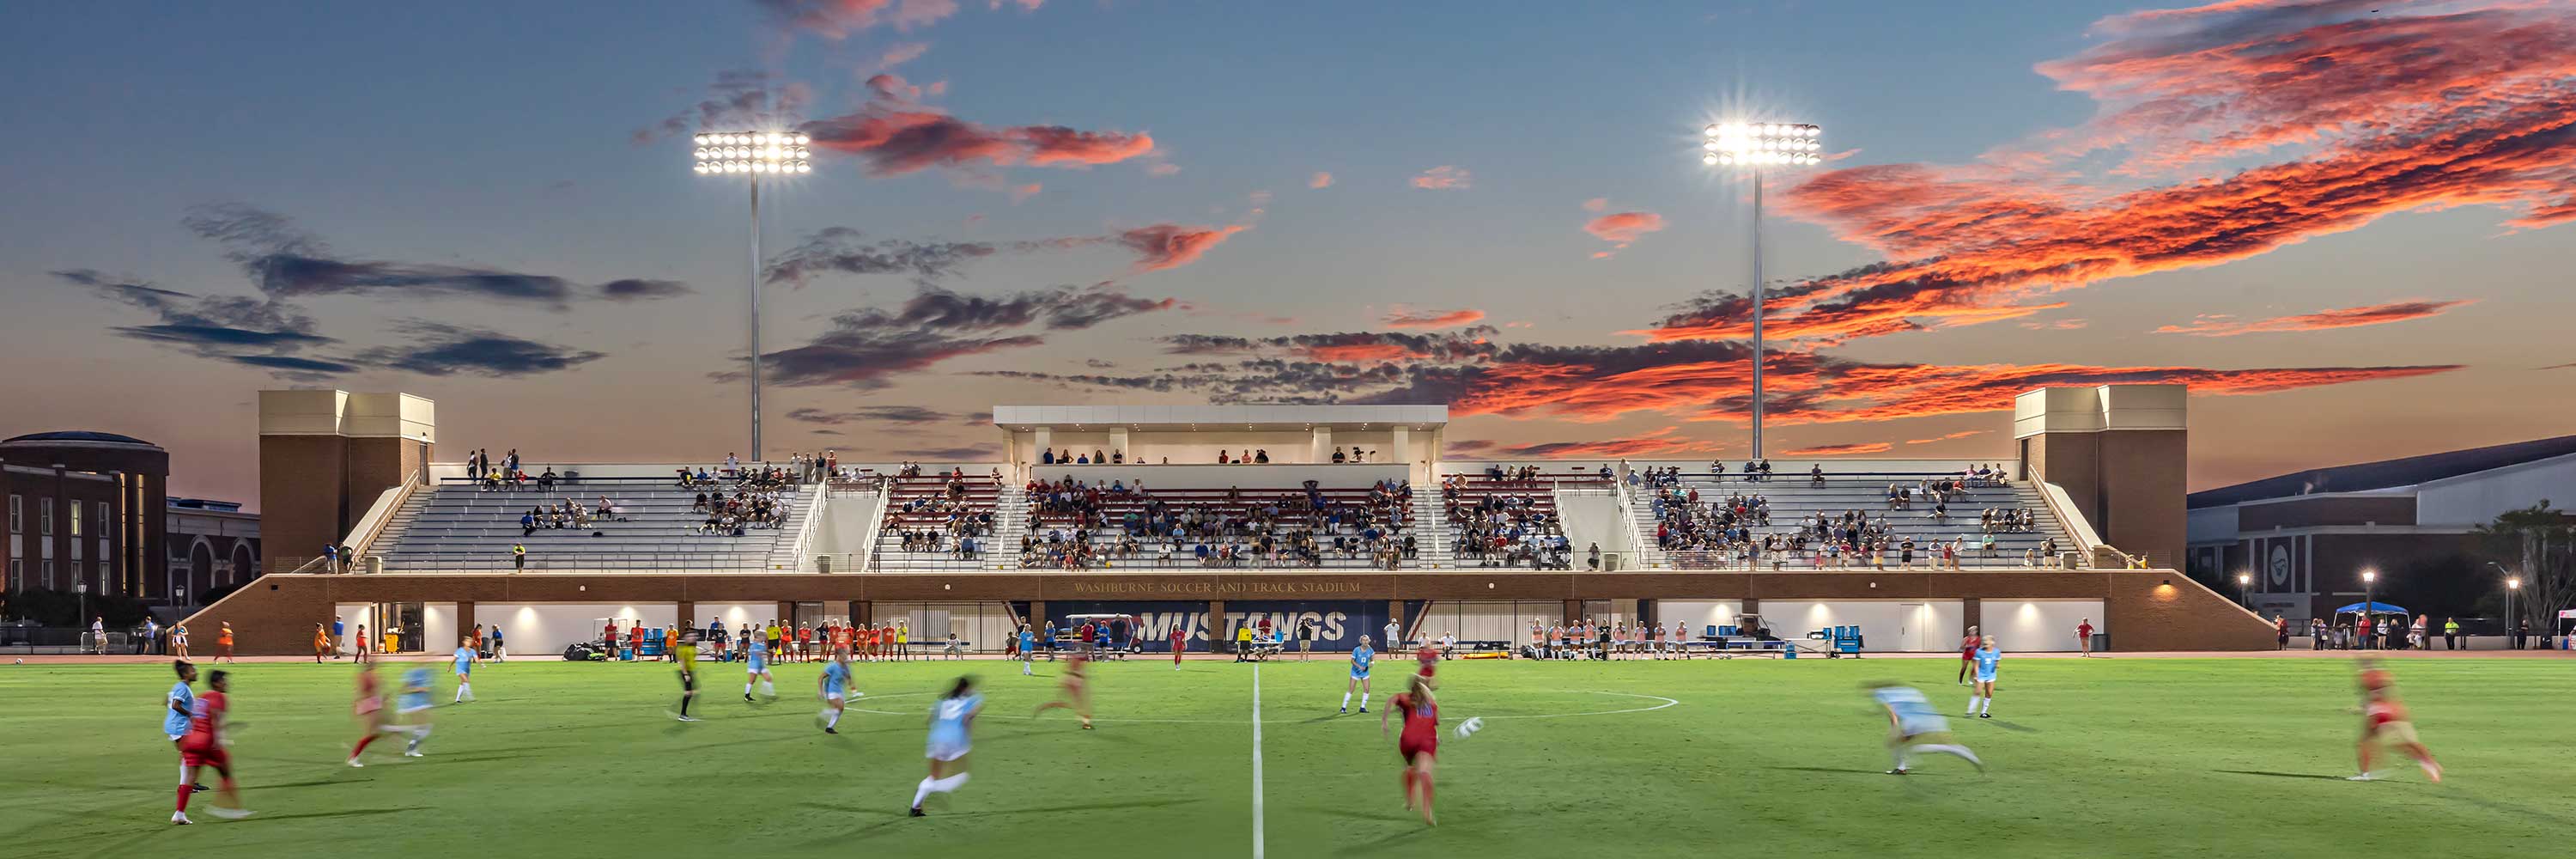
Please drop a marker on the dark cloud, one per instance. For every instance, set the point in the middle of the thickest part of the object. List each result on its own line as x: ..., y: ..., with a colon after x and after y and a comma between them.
x: 737, y: 100
x: 285, y: 262
x: 292, y: 363
x: 964, y: 453
x: 439, y: 349
x: 843, y: 250
x: 636, y: 289
x: 233, y: 328
x: 864, y: 414
x: 1059, y: 308
x: 861, y: 354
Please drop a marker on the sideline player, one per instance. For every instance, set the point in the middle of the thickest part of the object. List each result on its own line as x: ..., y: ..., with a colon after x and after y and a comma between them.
x: 757, y: 669
x: 205, y: 745
x: 687, y: 654
x: 1077, y: 693
x: 2383, y: 721
x: 1981, y: 701
x: 465, y: 657
x: 1419, y: 743
x: 224, y: 643
x: 1361, y: 657
x: 951, y: 723
x: 321, y: 643
x: 835, y: 684
x: 1967, y: 654
x: 1913, y: 726
x: 182, y: 705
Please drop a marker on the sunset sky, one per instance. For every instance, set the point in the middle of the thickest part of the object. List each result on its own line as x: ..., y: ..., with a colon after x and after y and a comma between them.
x: 2344, y: 224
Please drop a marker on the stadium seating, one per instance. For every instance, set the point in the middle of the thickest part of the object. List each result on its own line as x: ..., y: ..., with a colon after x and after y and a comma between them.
x: 457, y: 527
x: 1795, y: 499
x: 1340, y: 544
x: 926, y: 504
x: 1526, y: 499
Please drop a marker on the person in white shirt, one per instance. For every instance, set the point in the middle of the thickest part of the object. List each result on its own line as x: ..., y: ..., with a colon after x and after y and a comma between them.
x: 98, y: 632
x: 1394, y: 632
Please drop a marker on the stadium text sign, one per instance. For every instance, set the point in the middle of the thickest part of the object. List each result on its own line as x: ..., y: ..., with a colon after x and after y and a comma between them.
x: 1218, y: 588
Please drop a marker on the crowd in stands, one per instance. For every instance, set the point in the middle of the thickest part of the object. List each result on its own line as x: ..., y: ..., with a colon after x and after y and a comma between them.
x: 1504, y: 529
x: 1069, y: 519
x: 1245, y: 456
x: 753, y: 506
x: 568, y: 514
x: 958, y: 524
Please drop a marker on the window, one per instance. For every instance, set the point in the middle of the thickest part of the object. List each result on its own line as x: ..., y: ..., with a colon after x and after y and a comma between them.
x: 17, y: 574
x: 106, y: 524
x: 49, y: 574
x: 76, y: 517
x: 17, y: 514
x: 45, y: 516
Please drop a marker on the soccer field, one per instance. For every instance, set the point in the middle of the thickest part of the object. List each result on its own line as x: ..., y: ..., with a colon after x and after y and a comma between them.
x: 2087, y: 758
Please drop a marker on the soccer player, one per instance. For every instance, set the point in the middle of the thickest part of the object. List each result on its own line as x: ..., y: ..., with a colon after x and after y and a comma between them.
x: 414, y: 711
x: 205, y: 745
x: 688, y: 661
x: 1028, y: 650
x: 1981, y: 702
x: 1361, y: 657
x: 465, y: 657
x: 2084, y: 637
x: 224, y: 644
x: 369, y: 708
x: 1180, y: 643
x: 179, y: 640
x: 951, y: 723
x: 805, y: 642
x: 321, y: 643
x: 1077, y: 694
x: 2383, y: 721
x: 500, y: 652
x: 363, y: 651
x: 902, y: 641
x: 1419, y: 743
x: 1913, y: 726
x: 835, y: 690
x: 757, y: 669
x: 1967, y: 654
x: 182, y: 707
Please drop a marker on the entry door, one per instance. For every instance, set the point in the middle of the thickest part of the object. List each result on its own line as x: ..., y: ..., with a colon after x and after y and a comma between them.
x: 1913, y: 627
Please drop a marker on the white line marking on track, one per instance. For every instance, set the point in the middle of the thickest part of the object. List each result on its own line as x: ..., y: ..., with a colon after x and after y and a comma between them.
x: 1256, y: 762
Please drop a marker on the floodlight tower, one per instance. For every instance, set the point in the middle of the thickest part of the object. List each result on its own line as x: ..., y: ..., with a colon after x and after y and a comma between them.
x: 1754, y: 146
x: 752, y: 155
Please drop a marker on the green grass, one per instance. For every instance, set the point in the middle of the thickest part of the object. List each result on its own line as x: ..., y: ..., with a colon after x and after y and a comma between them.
x: 2130, y: 757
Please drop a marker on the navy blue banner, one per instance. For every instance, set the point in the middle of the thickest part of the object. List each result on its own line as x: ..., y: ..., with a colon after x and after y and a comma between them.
x: 1338, y: 623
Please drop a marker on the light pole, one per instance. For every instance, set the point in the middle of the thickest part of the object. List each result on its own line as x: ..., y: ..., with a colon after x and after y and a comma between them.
x: 81, y: 587
x: 753, y: 154
x: 1755, y: 145
x: 2369, y: 602
x: 2244, y: 583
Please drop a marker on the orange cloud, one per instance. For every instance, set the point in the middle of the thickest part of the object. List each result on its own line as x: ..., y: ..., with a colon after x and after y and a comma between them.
x: 1657, y: 443
x: 896, y: 136
x: 1956, y: 435
x: 1168, y: 246
x: 838, y: 19
x: 1446, y: 177
x: 1321, y: 180
x: 2223, y: 325
x: 1403, y: 318
x: 1840, y: 449
x: 1596, y: 204
x: 1621, y: 228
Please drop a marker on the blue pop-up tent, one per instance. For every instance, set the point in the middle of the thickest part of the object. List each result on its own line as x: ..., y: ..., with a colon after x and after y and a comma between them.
x: 2375, y: 608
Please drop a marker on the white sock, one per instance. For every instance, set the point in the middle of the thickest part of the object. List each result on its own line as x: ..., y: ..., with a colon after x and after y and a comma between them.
x: 1972, y: 703
x: 951, y: 783
x: 923, y: 791
x: 1985, y: 704
x: 746, y: 687
x: 833, y: 722
x: 1346, y: 701
x: 468, y: 689
x: 767, y: 688
x: 1949, y: 749
x: 1899, y: 753
x: 1364, y: 700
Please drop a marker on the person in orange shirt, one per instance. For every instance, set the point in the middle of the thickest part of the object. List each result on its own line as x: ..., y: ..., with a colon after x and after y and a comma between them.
x: 671, y: 643
x: 805, y: 642
x: 321, y: 643
x: 840, y: 636
x: 224, y: 643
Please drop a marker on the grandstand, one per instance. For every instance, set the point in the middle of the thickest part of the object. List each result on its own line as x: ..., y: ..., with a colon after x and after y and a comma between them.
x: 940, y: 520
x: 1777, y: 529
x: 650, y: 525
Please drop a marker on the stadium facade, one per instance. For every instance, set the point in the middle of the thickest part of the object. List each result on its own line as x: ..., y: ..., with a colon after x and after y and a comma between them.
x: 1347, y: 515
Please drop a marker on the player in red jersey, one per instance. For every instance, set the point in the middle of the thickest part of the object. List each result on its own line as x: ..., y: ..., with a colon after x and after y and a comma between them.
x: 205, y: 745
x: 2383, y: 720
x: 1428, y: 656
x: 1419, y: 743
x: 1077, y: 691
x: 1180, y: 642
x: 370, y: 711
x: 1967, y: 654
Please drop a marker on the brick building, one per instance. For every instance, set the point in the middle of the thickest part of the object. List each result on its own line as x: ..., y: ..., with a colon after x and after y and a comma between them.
x: 84, y: 507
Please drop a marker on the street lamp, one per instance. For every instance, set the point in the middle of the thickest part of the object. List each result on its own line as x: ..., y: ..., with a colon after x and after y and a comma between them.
x: 751, y: 155
x: 2244, y: 582
x: 80, y: 586
x: 2369, y: 587
x: 1753, y: 146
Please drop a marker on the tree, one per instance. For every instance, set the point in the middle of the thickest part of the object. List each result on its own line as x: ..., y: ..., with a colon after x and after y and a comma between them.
x: 2537, y: 543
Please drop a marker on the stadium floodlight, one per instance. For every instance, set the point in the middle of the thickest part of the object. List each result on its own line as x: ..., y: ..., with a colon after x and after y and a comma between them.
x: 2244, y: 589
x: 753, y: 154
x: 1754, y: 146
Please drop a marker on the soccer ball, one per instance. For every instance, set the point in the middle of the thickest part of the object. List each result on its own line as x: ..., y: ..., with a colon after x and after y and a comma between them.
x: 1470, y: 727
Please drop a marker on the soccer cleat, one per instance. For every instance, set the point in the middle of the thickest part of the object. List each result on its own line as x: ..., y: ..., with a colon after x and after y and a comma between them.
x: 1346, y: 711
x: 180, y: 817
x: 1985, y: 715
x: 2362, y: 777
x: 229, y: 813
x: 688, y: 718
x: 1896, y: 771
x: 353, y: 763
x: 917, y: 812
x: 1363, y: 709
x: 2431, y: 770
x: 831, y: 730
x: 746, y: 696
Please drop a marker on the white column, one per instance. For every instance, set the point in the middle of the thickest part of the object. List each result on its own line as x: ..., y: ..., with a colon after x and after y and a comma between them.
x: 1403, y: 444
x: 1044, y: 439
x: 1323, y: 447
x: 1118, y: 443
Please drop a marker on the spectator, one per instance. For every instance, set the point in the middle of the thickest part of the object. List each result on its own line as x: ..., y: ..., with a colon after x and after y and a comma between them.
x: 518, y: 557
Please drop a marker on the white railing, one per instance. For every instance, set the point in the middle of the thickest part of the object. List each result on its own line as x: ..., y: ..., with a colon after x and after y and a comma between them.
x: 814, y: 501
x: 361, y: 539
x: 1642, y: 554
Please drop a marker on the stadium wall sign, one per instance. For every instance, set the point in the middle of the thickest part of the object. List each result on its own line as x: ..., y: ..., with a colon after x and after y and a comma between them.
x: 1338, y: 623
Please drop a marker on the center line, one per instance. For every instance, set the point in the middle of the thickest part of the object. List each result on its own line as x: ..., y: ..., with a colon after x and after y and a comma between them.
x: 1256, y: 762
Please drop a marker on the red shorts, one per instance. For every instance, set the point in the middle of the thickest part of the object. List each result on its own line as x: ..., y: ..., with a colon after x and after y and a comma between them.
x: 1409, y: 748
x: 208, y: 757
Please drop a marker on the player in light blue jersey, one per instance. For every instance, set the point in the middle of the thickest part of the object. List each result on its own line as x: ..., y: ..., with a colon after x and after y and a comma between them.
x: 757, y: 670
x: 836, y: 690
x: 1028, y: 650
x: 1361, y: 658
x: 1982, y: 698
x: 1913, y: 726
x: 465, y: 657
x: 181, y: 706
x: 413, y: 709
x: 952, y: 721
